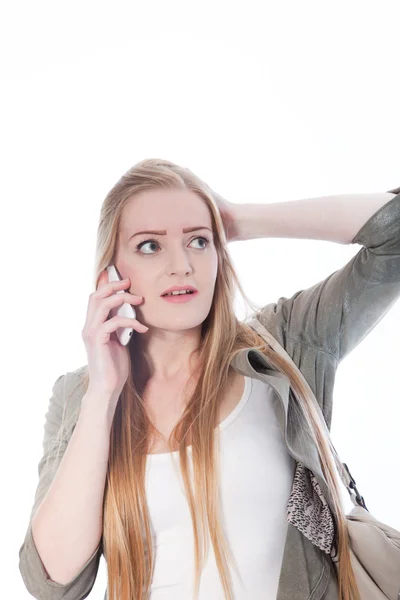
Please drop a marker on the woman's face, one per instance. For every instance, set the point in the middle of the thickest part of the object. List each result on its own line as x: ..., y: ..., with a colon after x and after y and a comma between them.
x: 172, y: 258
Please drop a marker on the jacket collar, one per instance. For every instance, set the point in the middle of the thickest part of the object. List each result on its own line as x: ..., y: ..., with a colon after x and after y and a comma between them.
x: 296, y: 435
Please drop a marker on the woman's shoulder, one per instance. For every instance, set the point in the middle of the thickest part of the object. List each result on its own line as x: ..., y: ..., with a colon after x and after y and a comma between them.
x: 73, y: 390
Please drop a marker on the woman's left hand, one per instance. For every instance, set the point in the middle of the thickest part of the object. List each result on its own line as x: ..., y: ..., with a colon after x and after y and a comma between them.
x: 227, y: 210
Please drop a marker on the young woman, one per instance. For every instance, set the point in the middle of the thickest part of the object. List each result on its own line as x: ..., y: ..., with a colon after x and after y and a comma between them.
x: 195, y: 458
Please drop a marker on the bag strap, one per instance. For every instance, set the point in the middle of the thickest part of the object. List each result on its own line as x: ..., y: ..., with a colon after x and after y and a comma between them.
x: 343, y: 470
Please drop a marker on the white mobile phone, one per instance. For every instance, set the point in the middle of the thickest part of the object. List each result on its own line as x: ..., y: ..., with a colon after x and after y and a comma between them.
x: 124, y: 334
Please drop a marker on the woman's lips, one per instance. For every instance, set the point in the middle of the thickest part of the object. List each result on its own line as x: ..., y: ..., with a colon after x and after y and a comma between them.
x: 180, y: 298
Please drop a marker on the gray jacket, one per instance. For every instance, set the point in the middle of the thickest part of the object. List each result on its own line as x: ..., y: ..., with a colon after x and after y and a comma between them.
x: 317, y: 327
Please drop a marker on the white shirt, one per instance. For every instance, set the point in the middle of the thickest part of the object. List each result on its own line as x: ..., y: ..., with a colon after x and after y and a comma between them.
x: 256, y: 479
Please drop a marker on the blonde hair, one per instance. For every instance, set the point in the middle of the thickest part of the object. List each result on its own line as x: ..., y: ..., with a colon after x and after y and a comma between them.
x: 127, y: 543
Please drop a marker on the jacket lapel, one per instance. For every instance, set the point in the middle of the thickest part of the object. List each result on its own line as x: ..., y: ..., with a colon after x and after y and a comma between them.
x: 310, y: 504
x: 299, y: 444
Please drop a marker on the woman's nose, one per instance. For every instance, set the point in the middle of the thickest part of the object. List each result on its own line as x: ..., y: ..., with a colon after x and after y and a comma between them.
x: 180, y: 263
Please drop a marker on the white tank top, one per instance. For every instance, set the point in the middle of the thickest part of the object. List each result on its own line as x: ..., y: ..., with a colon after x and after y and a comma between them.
x: 256, y: 479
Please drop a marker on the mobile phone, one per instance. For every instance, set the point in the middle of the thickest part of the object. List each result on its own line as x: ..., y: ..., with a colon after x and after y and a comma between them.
x: 124, y: 334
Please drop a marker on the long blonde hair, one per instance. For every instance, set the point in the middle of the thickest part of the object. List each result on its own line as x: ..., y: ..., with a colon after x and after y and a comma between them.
x: 126, y: 540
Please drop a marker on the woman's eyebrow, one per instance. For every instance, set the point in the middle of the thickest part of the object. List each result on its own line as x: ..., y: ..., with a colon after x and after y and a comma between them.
x: 163, y: 231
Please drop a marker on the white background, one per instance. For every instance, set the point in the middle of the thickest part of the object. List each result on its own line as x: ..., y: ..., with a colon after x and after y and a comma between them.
x: 266, y: 102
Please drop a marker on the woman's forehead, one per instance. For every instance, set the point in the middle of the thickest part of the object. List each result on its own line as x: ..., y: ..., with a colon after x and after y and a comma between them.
x: 172, y: 211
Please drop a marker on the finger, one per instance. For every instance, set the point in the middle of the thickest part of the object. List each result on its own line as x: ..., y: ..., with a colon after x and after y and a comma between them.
x: 102, y: 279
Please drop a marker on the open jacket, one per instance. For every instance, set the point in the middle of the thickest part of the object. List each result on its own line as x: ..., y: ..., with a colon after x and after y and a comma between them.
x: 317, y: 327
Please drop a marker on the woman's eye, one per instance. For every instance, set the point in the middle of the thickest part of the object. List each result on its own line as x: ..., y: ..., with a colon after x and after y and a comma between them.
x: 139, y: 246
x: 142, y: 244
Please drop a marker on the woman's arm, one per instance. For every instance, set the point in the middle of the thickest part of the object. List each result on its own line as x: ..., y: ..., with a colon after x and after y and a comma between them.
x: 335, y: 218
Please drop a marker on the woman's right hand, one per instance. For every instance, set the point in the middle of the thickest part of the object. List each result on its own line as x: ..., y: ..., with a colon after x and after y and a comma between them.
x: 108, y: 360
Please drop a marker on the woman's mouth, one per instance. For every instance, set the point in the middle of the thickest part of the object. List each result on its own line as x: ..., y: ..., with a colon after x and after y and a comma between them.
x: 180, y: 298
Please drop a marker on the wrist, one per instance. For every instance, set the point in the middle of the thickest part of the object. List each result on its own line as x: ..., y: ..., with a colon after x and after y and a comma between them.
x: 249, y: 222
x: 99, y: 404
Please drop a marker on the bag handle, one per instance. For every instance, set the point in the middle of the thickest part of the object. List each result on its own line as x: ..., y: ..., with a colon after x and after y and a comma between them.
x: 343, y: 470
x: 349, y: 482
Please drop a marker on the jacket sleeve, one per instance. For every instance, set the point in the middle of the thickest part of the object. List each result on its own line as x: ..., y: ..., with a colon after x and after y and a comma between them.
x: 34, y: 575
x: 321, y: 325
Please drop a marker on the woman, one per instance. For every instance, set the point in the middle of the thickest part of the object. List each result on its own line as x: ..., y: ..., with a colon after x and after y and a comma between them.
x: 195, y: 459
